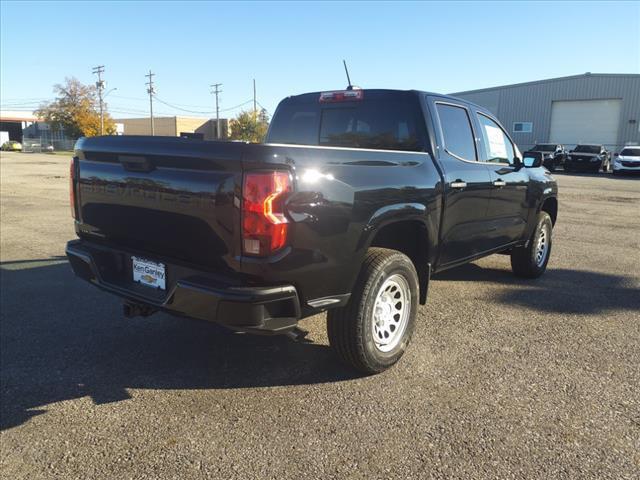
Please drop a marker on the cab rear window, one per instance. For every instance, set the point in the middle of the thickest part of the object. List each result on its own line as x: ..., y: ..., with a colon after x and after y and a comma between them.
x: 374, y: 124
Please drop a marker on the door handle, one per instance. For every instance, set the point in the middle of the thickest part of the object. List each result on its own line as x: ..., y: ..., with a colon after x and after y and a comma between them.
x: 458, y: 184
x: 499, y: 183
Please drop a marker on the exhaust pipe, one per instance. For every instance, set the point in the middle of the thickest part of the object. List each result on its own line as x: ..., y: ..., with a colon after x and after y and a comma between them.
x: 131, y: 310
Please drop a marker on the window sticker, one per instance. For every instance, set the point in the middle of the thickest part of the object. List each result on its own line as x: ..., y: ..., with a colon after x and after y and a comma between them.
x: 495, y: 138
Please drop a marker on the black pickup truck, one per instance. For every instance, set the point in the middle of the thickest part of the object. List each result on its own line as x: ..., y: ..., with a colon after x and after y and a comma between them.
x: 353, y: 201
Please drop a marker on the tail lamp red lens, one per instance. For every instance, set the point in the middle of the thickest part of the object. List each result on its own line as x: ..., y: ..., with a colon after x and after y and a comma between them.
x: 264, y: 223
x: 72, y: 193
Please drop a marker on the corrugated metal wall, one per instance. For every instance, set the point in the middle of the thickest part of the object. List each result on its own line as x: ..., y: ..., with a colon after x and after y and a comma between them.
x: 531, y: 102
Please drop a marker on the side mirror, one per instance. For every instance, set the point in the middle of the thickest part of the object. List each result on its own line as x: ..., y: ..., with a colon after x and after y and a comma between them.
x: 533, y: 160
x: 616, y: 154
x: 517, y: 162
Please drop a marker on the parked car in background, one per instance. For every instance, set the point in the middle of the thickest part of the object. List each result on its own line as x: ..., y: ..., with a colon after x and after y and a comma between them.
x: 553, y: 154
x: 586, y: 157
x: 628, y: 160
x: 12, y: 146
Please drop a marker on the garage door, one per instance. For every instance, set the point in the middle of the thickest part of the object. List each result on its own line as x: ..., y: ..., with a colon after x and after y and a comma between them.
x: 585, y: 121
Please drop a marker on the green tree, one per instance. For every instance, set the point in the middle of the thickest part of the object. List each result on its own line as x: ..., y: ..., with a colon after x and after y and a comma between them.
x: 75, y: 110
x: 250, y: 126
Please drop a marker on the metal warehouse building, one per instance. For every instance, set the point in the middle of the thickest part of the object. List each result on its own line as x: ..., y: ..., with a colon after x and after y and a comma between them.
x: 589, y: 108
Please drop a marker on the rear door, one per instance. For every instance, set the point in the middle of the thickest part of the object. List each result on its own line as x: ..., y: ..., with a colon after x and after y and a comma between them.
x: 467, y: 183
x: 508, y: 210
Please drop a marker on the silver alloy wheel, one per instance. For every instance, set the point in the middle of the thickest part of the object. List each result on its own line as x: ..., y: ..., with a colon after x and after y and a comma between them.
x: 391, y: 312
x: 542, y: 245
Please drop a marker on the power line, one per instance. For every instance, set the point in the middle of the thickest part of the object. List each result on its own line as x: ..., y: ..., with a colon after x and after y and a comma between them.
x: 172, y: 105
x: 260, y: 105
x: 181, y: 109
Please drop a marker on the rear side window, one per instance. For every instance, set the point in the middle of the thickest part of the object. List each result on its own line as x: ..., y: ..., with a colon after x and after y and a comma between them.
x: 497, y: 146
x: 393, y: 124
x: 457, y: 132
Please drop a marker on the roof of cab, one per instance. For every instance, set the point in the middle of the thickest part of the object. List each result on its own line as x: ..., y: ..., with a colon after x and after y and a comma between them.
x: 312, y: 97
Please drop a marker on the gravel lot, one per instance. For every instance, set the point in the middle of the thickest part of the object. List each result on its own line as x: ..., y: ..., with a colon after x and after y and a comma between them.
x: 505, y: 378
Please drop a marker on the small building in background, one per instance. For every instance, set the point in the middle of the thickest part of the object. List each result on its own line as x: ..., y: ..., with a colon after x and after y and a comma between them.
x: 589, y: 108
x: 15, y: 122
x: 174, y: 127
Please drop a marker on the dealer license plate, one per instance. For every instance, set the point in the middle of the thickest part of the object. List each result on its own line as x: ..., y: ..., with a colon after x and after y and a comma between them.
x: 148, y: 273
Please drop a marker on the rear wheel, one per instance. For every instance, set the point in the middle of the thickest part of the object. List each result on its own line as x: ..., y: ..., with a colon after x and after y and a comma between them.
x: 530, y: 261
x: 373, y: 330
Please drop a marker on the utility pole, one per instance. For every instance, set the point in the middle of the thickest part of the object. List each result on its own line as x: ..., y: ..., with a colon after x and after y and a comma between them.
x: 254, y: 97
x: 216, y: 91
x: 151, y: 92
x: 99, y: 70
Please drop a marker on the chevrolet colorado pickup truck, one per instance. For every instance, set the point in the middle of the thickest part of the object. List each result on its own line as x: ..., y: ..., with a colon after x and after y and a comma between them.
x: 354, y: 200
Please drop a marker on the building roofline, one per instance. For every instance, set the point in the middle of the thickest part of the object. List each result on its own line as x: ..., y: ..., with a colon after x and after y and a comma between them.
x: 549, y: 80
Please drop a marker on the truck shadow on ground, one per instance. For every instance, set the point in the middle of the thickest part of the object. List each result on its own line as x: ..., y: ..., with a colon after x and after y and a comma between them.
x: 561, y: 291
x: 63, y: 339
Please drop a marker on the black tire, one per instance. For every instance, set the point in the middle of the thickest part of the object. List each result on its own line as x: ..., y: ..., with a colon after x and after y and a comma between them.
x: 351, y: 328
x: 525, y: 261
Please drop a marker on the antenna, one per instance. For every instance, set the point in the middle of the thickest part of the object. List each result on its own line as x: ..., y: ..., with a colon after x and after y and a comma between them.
x: 346, y: 70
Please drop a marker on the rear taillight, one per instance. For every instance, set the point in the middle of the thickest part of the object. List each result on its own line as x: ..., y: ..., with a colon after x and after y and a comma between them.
x: 264, y: 224
x: 72, y: 193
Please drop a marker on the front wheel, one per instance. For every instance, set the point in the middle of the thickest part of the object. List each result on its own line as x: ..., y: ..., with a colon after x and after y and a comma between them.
x: 373, y: 330
x: 530, y: 261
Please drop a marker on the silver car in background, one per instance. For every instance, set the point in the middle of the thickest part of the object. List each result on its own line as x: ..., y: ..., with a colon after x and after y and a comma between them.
x: 628, y: 160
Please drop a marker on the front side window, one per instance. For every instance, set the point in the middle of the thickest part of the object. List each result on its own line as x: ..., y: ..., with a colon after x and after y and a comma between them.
x: 497, y: 145
x: 457, y: 131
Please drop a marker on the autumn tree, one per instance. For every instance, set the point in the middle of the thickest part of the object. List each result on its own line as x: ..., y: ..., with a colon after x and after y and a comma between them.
x: 75, y: 110
x: 250, y: 126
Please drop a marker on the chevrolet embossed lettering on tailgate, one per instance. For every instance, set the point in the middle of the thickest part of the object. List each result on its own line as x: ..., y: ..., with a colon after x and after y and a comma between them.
x: 184, y: 213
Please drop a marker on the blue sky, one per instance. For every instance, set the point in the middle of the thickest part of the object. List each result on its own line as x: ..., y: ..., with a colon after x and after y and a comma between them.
x: 292, y: 47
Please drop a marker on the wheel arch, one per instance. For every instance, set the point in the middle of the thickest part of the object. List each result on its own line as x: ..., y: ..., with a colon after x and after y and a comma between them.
x: 403, y: 228
x: 550, y: 205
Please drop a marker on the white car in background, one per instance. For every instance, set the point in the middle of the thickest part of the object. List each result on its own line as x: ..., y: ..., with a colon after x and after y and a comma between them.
x: 628, y: 160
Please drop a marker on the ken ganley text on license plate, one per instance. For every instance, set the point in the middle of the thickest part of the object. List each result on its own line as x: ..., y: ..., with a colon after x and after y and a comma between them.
x: 148, y: 272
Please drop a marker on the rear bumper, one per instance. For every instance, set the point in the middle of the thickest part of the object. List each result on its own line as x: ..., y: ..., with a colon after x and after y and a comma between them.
x: 190, y: 293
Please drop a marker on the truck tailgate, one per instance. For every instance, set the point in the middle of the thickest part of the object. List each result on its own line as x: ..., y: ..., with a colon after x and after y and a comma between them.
x: 164, y: 196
